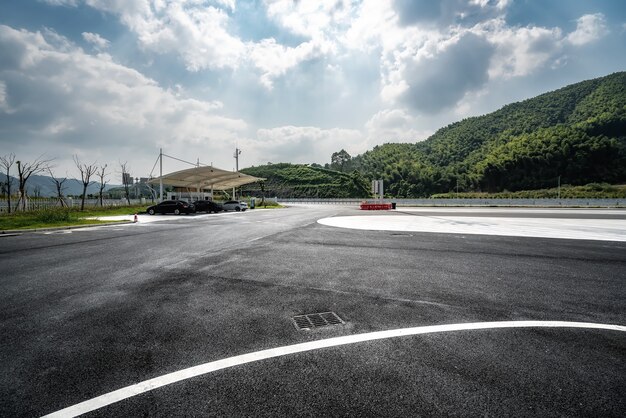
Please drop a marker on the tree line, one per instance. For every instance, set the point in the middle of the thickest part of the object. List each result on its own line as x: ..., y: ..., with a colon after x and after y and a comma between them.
x: 40, y: 165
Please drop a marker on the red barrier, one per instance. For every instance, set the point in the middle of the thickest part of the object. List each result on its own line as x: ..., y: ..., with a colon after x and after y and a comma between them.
x: 375, y: 206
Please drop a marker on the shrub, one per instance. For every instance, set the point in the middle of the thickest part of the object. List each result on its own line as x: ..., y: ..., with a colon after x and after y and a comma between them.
x: 53, y: 215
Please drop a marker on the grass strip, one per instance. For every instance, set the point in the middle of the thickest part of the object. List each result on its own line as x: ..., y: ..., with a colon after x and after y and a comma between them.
x: 60, y: 217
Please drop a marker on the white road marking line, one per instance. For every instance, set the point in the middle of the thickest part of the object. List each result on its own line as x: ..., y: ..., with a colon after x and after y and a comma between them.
x: 504, y: 209
x: 157, y: 382
x: 588, y: 229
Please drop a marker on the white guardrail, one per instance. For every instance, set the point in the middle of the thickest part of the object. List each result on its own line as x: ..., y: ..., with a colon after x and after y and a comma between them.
x: 572, y: 203
x: 43, y: 203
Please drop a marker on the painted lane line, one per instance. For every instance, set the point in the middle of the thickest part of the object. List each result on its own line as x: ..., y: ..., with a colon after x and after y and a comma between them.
x: 588, y: 229
x: 157, y: 382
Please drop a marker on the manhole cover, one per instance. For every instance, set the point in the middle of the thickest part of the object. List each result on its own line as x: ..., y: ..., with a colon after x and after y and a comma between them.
x: 317, y: 320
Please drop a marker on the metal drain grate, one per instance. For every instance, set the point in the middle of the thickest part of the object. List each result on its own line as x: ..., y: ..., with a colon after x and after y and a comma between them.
x: 317, y: 320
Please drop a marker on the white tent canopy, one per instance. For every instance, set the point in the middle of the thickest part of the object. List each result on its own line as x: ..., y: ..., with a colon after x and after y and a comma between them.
x: 206, y: 177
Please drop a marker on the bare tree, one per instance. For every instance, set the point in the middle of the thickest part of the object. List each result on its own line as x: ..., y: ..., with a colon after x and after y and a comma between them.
x: 126, y: 180
x: 86, y: 171
x: 103, y: 182
x: 58, y: 183
x: 6, y: 162
x: 24, y: 171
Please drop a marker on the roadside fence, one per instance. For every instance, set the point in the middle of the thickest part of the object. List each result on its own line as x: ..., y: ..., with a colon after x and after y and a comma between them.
x: 37, y: 203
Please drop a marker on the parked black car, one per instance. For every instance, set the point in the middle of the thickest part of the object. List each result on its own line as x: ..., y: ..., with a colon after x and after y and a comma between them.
x: 207, y: 206
x: 172, y: 206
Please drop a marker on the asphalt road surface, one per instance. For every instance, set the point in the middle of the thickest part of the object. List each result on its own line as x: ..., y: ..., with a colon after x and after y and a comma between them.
x: 91, y: 311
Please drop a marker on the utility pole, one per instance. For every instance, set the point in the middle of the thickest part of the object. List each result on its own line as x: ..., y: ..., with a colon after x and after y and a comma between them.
x: 559, y: 188
x: 160, y: 174
x: 236, y: 156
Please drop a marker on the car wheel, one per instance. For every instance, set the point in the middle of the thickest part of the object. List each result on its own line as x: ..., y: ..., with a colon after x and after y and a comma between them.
x: 151, y: 211
x: 176, y: 211
x: 237, y: 208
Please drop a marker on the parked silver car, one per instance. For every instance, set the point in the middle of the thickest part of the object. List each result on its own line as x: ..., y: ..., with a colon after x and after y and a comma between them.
x: 235, y: 205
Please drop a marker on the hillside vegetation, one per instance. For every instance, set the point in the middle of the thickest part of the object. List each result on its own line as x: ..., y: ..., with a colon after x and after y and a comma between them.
x: 589, y: 191
x: 577, y: 133
x: 573, y: 136
x: 300, y: 180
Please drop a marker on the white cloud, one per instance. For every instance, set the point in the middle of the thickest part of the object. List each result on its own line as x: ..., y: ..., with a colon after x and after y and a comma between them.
x: 320, y: 22
x: 410, y: 49
x: 73, y: 100
x: 589, y: 28
x: 520, y: 50
x: 393, y: 125
x: 312, y: 19
x: 447, y: 13
x: 96, y: 40
x: 89, y: 105
x: 199, y: 33
x: 304, y: 144
x: 274, y: 59
x: 499, y: 4
x: 188, y: 27
x: 229, y: 4
x: 408, y: 44
x: 4, y: 99
x: 375, y: 26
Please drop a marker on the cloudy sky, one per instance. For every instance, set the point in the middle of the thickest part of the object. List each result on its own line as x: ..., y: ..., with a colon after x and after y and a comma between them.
x: 285, y: 81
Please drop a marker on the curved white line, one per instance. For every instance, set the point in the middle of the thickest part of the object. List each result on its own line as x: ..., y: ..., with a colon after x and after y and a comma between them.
x: 157, y: 382
x: 588, y: 229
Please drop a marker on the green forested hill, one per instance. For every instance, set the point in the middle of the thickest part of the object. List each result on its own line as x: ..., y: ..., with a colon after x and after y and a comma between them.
x: 300, y: 180
x: 577, y: 132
